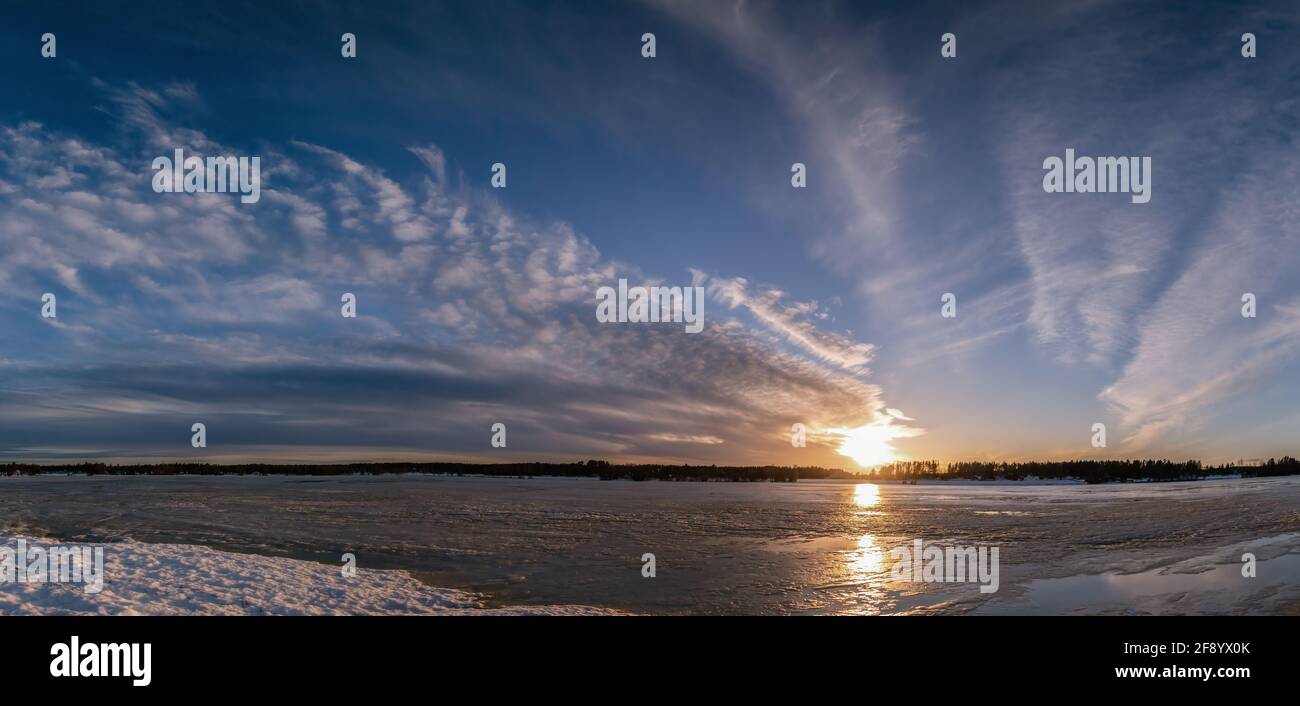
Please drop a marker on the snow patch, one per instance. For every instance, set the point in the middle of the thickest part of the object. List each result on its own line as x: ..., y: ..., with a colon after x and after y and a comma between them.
x: 186, y: 579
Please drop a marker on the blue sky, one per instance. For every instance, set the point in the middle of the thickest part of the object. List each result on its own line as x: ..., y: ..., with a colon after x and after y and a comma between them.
x: 476, y: 305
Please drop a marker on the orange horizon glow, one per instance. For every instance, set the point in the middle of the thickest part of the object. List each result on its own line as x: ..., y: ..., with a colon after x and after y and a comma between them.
x: 870, y: 445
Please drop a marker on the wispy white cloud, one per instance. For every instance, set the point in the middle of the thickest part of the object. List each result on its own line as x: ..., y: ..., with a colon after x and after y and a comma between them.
x: 1195, y: 349
x: 468, y: 313
x: 793, y: 322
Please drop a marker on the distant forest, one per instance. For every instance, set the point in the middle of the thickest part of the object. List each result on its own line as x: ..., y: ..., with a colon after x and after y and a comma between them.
x: 603, y: 470
x: 1088, y: 471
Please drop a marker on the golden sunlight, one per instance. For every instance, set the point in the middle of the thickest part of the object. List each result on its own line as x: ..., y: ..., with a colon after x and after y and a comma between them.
x: 869, y: 445
x: 867, y: 560
x: 866, y: 495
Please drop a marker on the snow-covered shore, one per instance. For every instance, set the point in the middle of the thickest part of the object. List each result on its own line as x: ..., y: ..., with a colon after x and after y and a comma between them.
x: 184, y: 579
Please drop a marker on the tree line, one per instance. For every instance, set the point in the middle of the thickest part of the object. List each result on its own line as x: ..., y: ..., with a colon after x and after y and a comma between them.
x: 1090, y: 471
x: 603, y: 470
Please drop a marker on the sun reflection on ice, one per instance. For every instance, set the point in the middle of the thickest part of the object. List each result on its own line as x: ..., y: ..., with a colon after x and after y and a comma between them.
x: 862, y: 565
x: 867, y: 560
x: 866, y: 495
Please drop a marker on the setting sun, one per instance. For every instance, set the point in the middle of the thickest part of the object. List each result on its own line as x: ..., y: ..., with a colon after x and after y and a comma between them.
x: 869, y: 445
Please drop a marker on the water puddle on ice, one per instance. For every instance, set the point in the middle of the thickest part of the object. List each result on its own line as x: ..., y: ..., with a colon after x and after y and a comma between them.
x: 1215, y: 590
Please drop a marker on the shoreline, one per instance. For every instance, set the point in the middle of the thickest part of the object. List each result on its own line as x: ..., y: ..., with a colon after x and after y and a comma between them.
x: 1031, y: 480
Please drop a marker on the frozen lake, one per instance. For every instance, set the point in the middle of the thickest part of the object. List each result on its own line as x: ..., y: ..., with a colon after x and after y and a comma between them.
x: 807, y: 547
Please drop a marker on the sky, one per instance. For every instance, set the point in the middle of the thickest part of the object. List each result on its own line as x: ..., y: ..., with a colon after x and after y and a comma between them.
x: 476, y: 305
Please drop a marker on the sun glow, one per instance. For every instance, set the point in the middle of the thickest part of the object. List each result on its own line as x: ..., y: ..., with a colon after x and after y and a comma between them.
x: 869, y: 445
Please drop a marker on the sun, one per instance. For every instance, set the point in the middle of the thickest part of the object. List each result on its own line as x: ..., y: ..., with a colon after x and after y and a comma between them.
x: 869, y: 445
